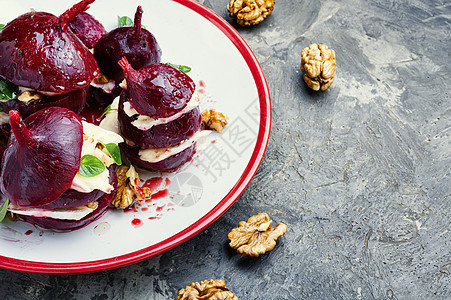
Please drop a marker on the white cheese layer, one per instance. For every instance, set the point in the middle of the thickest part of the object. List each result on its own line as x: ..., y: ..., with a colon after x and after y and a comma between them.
x: 145, y: 122
x: 92, y: 135
x: 110, y: 121
x: 158, y: 154
x: 4, y: 118
x: 88, y: 184
x: 62, y: 214
x: 101, y: 135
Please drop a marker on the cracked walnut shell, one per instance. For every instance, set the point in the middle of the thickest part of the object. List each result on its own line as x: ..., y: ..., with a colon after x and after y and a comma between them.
x: 212, y: 119
x: 206, y: 290
x: 250, y: 12
x: 319, y: 65
x: 256, y: 236
x: 128, y: 188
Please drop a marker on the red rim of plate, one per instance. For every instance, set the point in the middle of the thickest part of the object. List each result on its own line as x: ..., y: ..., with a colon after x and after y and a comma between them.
x: 212, y: 215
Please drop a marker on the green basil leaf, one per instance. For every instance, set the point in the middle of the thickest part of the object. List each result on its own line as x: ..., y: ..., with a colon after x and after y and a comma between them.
x: 8, y: 90
x: 106, y: 111
x: 114, y: 152
x: 182, y: 68
x: 1, y: 26
x: 90, y: 166
x: 4, y: 209
x: 124, y: 21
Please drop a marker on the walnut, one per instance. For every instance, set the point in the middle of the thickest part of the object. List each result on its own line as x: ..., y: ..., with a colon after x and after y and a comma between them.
x: 256, y: 236
x: 128, y: 188
x: 319, y: 65
x: 206, y: 290
x: 250, y: 12
x: 211, y: 119
x: 27, y: 97
x: 101, y: 79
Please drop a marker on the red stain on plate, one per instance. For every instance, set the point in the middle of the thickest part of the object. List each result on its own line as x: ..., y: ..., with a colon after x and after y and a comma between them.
x: 28, y: 232
x: 156, y: 206
x: 160, y: 194
x: 137, y: 222
x: 153, y: 183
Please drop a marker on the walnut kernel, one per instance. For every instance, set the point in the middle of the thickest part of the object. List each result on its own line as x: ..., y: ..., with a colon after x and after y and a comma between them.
x: 319, y: 65
x: 256, y: 236
x: 101, y: 79
x: 206, y: 290
x: 128, y: 188
x: 27, y: 97
x: 211, y: 119
x: 250, y: 12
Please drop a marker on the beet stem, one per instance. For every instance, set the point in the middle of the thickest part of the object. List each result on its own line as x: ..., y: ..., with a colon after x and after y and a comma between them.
x: 129, y: 72
x: 137, y: 21
x: 20, y: 131
x: 72, y: 12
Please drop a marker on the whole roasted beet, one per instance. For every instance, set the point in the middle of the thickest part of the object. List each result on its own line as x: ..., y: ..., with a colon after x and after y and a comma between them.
x: 160, y: 136
x: 157, y: 90
x: 87, y: 29
x: 137, y: 44
x: 39, y: 52
x: 42, y: 156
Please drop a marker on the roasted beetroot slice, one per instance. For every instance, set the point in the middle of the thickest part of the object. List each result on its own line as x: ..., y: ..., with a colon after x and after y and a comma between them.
x: 138, y: 45
x: 42, y: 156
x: 160, y: 136
x: 158, y: 90
x: 37, y: 52
x: 75, y: 101
x: 72, y: 198
x: 87, y: 29
x: 57, y: 224
x: 169, y: 164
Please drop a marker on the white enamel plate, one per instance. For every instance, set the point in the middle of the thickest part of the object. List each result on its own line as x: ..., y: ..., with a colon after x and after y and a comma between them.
x: 229, y: 79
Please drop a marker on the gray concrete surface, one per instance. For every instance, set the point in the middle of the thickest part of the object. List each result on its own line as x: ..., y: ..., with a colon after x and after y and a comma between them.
x: 359, y: 173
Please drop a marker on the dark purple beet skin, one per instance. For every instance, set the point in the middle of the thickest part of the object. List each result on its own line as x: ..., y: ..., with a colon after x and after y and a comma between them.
x: 137, y: 44
x: 160, y: 136
x: 169, y: 164
x: 87, y: 29
x: 57, y: 224
x: 42, y: 156
x: 39, y: 52
x: 75, y: 101
x: 158, y: 90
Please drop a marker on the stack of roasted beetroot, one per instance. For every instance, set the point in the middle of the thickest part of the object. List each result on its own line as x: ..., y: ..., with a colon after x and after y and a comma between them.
x: 159, y: 117
x: 57, y: 171
x: 48, y: 63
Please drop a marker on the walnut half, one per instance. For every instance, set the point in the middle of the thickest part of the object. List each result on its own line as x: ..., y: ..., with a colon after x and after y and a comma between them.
x: 250, y: 12
x: 256, y: 236
x: 206, y: 290
x: 319, y: 65
x: 211, y: 119
x: 128, y: 188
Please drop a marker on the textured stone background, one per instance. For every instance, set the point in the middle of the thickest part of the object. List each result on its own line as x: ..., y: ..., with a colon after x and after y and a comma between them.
x: 359, y: 173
